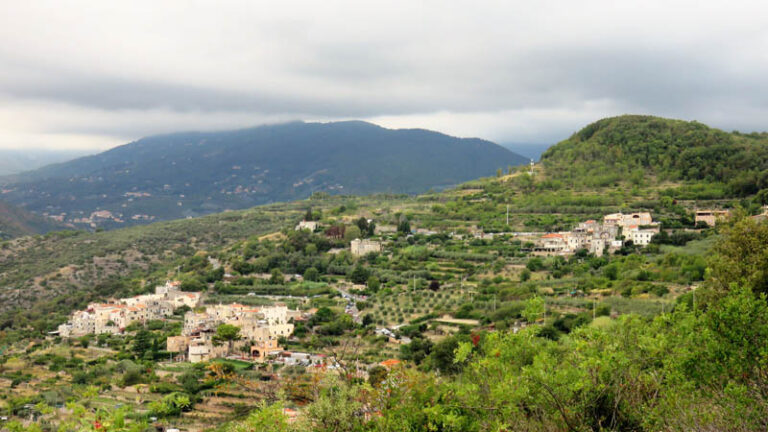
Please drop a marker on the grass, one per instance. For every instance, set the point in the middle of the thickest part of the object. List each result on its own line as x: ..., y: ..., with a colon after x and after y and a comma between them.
x: 695, y: 247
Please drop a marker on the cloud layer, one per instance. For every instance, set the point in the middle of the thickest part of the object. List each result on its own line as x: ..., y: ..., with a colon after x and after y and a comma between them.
x: 96, y: 74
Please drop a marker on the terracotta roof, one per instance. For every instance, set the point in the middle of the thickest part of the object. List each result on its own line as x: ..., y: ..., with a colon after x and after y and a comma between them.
x: 552, y: 235
x: 390, y: 362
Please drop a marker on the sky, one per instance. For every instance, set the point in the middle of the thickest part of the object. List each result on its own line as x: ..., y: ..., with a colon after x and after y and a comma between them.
x: 90, y: 75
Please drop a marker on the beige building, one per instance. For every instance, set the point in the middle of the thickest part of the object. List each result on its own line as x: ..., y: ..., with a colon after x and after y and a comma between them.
x: 307, y: 225
x: 640, y: 237
x: 552, y: 243
x: 260, y: 327
x: 711, y: 217
x: 363, y: 247
x: 625, y: 220
x: 114, y: 317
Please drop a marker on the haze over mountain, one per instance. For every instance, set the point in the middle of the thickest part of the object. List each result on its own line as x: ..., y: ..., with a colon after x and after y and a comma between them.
x: 190, y: 174
x: 17, y: 161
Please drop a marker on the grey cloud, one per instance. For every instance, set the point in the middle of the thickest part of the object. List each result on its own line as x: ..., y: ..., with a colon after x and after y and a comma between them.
x: 508, y: 71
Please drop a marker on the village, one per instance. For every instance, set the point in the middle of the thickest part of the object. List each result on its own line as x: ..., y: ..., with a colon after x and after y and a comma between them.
x: 261, y: 327
x: 258, y: 329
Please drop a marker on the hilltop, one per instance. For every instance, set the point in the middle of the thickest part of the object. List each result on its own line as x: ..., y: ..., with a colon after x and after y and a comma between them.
x: 637, y: 149
x: 192, y: 174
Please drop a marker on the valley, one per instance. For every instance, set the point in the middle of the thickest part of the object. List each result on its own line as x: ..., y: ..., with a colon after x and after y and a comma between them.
x: 488, y: 305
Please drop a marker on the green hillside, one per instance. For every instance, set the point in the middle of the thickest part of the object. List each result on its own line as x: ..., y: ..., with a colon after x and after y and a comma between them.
x: 15, y: 222
x: 639, y: 149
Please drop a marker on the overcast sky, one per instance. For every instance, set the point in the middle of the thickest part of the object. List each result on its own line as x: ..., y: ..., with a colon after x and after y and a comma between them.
x: 94, y: 74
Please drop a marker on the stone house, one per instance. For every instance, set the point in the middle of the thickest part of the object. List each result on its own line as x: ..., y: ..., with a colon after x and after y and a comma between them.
x: 711, y: 217
x: 363, y: 247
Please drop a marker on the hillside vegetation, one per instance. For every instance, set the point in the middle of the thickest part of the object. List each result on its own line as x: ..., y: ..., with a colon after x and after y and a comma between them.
x: 15, y: 222
x: 644, y: 148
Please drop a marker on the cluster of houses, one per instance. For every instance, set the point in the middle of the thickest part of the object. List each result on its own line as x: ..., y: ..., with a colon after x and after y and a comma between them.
x: 598, y: 237
x: 358, y: 247
x: 115, y: 316
x: 260, y: 329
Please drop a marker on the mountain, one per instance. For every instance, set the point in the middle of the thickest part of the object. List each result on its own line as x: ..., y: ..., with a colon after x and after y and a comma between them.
x: 652, y: 149
x: 16, y: 222
x: 190, y: 174
x: 17, y: 161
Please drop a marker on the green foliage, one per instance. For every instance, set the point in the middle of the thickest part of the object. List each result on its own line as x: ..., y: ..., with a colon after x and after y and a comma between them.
x: 311, y: 274
x: 639, y: 148
x: 359, y: 274
x: 266, y: 418
x: 741, y: 257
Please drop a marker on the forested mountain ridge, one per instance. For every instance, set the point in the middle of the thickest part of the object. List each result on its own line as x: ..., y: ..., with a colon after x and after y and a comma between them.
x: 646, y: 148
x: 191, y: 174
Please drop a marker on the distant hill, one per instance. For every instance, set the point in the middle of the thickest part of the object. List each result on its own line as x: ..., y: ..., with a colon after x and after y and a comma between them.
x: 190, y: 174
x: 16, y: 222
x: 645, y: 148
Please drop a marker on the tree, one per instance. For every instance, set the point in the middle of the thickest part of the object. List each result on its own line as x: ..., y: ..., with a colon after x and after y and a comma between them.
x: 142, y: 343
x: 404, y: 226
x: 367, y: 320
x: 362, y: 224
x: 352, y: 233
x: 762, y: 197
x: 376, y: 375
x: 311, y: 274
x: 434, y: 285
x: 266, y: 418
x: 534, y: 264
x: 277, y: 277
x: 442, y: 355
x: 227, y: 333
x: 534, y: 308
x: 359, y: 274
x: 373, y: 283
x: 417, y: 350
x: 741, y: 257
x: 525, y: 275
